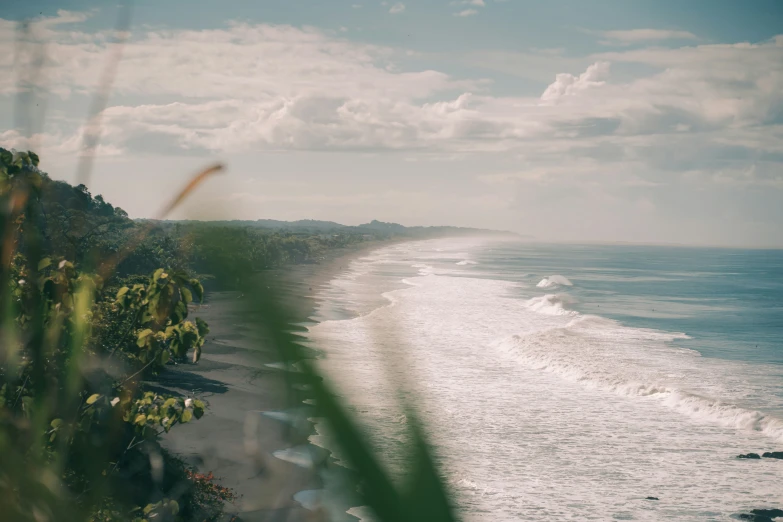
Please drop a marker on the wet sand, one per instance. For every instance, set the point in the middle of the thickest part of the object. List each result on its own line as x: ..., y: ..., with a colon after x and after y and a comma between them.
x: 235, y: 440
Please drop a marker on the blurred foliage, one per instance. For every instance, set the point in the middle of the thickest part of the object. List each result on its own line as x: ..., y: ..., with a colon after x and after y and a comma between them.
x: 92, y: 304
x: 78, y: 431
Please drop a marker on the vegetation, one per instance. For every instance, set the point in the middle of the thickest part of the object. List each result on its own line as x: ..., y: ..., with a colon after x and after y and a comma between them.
x: 78, y: 430
x: 92, y: 306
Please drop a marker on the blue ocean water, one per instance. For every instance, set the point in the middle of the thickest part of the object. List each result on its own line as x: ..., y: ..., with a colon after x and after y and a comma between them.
x: 567, y: 382
x: 728, y: 301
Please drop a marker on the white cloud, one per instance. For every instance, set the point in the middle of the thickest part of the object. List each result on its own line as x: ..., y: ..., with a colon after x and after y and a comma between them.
x: 693, y: 122
x: 242, y: 61
x: 57, y: 144
x: 645, y: 35
x: 397, y: 8
x: 759, y: 174
x: 466, y: 12
x: 276, y: 87
x: 566, y: 84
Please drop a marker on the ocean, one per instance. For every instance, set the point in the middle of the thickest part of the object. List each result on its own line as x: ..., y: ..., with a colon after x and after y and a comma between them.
x: 567, y: 382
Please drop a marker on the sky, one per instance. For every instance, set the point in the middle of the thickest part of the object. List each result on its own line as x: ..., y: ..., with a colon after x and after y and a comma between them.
x: 652, y: 121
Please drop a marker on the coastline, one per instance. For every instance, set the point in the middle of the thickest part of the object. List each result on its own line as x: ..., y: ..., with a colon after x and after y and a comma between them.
x: 247, y: 419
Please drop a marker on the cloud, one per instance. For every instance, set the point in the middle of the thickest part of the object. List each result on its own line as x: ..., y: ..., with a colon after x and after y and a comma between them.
x: 466, y: 12
x: 715, y: 110
x: 397, y: 8
x: 753, y: 174
x: 644, y: 35
x: 242, y: 61
x: 566, y: 84
x: 57, y: 143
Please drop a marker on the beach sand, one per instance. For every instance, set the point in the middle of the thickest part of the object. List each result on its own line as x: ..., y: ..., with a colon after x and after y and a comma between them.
x: 235, y: 440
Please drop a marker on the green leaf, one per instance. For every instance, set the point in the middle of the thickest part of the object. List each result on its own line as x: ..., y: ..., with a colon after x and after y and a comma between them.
x: 43, y: 263
x: 56, y: 423
x: 179, y: 313
x: 140, y: 419
x: 187, y: 296
x: 201, y: 325
x: 122, y: 291
x: 92, y: 398
x: 141, y: 338
x: 197, y: 289
x: 161, y: 304
x: 187, y: 415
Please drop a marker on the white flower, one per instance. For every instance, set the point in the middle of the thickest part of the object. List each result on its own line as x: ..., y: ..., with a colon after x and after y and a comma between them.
x: 62, y: 263
x: 21, y: 282
x: 188, y: 403
x: 165, y: 420
x: 114, y: 401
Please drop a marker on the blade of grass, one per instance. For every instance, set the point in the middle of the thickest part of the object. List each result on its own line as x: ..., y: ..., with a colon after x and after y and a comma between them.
x: 427, y: 498
x: 92, y: 129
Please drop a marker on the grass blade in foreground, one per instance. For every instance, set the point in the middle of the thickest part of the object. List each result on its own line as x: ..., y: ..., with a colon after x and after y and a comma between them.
x: 423, y: 496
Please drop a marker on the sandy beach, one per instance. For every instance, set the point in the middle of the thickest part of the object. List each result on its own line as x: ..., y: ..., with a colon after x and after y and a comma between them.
x: 243, y: 427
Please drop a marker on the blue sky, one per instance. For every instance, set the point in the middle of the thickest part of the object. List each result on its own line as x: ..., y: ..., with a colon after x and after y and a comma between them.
x: 569, y: 121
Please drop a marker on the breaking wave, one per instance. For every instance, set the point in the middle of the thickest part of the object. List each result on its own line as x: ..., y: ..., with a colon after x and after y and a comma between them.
x: 554, y: 280
x: 594, y: 352
x: 549, y: 304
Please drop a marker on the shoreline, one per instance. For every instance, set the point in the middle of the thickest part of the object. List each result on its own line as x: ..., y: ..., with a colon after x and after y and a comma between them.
x: 247, y: 438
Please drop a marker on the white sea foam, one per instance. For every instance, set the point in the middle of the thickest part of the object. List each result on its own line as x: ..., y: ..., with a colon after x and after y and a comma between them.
x: 310, y: 499
x: 537, y: 412
x: 554, y: 280
x: 466, y: 262
x: 549, y: 304
x: 283, y: 366
x: 424, y: 269
x: 582, y: 353
x: 301, y: 456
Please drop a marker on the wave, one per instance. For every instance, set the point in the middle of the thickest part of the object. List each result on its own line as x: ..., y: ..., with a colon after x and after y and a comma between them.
x: 592, y: 351
x: 466, y: 262
x: 549, y: 304
x: 554, y: 280
x: 424, y: 269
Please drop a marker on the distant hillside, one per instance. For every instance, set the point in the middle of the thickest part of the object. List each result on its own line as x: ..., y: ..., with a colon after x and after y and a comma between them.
x: 309, y: 224
x: 375, y: 228
x: 397, y: 229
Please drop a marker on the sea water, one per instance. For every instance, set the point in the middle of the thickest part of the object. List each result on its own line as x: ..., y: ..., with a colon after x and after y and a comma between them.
x: 566, y: 382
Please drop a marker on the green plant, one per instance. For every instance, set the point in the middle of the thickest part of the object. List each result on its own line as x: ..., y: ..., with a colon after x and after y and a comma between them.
x: 76, y: 425
x: 160, y: 309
